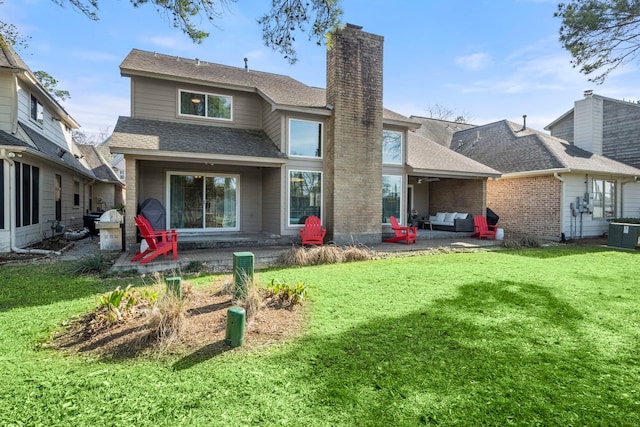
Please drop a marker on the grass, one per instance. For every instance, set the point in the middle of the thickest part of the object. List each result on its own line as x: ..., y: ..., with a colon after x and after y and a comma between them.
x: 530, y: 337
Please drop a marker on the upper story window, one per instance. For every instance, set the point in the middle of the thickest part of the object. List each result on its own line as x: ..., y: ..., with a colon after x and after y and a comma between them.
x: 206, y: 105
x: 305, y: 138
x: 37, y: 110
x: 391, y: 147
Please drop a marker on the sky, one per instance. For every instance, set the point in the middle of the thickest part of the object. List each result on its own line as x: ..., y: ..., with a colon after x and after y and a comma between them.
x: 487, y: 60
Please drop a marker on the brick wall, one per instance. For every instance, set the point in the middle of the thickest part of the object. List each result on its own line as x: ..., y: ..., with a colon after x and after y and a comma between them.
x: 353, y: 163
x: 528, y: 205
x: 131, y: 202
x: 457, y: 195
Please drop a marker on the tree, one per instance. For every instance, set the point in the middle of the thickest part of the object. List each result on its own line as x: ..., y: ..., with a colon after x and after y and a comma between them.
x: 51, y: 85
x: 600, y: 35
x: 279, y: 26
x: 288, y: 16
x: 440, y: 112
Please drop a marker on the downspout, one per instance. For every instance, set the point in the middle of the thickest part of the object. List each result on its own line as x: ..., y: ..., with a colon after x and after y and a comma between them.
x: 557, y: 176
x: 4, y: 156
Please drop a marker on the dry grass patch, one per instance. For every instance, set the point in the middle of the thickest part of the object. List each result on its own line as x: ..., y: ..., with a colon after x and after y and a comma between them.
x: 326, y: 254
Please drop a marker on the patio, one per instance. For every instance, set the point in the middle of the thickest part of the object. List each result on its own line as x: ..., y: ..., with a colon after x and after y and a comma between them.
x: 266, y: 252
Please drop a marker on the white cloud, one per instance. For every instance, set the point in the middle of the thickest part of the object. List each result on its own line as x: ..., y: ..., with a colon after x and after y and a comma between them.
x: 474, y: 62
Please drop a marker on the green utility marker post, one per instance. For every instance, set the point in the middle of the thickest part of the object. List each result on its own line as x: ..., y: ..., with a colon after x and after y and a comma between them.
x: 242, y: 273
x: 174, y: 286
x: 235, y: 326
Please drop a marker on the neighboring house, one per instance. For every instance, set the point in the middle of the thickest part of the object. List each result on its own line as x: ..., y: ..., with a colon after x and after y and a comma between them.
x: 549, y: 187
x: 108, y: 190
x: 605, y: 126
x: 230, y: 151
x: 43, y: 181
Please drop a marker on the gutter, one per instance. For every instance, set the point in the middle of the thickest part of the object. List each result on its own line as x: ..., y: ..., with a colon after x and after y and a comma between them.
x: 8, y: 157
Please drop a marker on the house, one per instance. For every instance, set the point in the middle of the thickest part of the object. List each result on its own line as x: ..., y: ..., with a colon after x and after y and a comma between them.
x: 231, y: 151
x: 45, y: 185
x: 605, y: 126
x: 549, y: 187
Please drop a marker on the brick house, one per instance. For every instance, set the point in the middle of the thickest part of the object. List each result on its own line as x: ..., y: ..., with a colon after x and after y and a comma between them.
x: 548, y: 186
x: 45, y: 179
x: 232, y: 151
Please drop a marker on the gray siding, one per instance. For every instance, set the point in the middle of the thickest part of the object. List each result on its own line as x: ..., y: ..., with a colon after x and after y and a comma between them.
x: 272, y: 124
x: 152, y: 184
x: 564, y: 129
x: 6, y: 101
x: 273, y: 203
x: 158, y: 99
x: 621, y: 132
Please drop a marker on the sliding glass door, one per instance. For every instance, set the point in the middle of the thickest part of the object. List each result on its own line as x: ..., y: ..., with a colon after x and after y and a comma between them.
x: 204, y: 201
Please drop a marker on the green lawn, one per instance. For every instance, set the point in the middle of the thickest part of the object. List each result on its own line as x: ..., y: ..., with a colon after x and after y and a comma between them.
x: 535, y: 337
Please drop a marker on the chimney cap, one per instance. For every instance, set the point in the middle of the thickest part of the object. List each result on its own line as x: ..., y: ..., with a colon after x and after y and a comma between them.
x: 588, y: 92
x: 355, y: 27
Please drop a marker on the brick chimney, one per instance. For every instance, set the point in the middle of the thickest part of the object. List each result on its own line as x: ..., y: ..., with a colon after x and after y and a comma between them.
x: 353, y: 164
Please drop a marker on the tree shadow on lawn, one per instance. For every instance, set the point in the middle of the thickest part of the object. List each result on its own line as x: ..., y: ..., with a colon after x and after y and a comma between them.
x: 497, y: 353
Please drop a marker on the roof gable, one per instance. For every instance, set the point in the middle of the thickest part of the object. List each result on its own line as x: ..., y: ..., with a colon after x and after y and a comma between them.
x: 510, y: 148
x: 279, y: 90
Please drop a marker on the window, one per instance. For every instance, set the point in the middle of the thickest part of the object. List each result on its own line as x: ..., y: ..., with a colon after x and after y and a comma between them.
x: 76, y: 193
x: 27, y: 192
x: 205, y: 105
x: 37, y: 110
x: 204, y: 201
x: 391, y: 197
x: 305, y: 195
x: 604, y: 198
x: 305, y: 138
x: 391, y: 147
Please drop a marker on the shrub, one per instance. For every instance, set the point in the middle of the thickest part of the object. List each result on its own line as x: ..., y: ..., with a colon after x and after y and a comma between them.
x: 521, y: 242
x: 120, y: 302
x: 92, y: 264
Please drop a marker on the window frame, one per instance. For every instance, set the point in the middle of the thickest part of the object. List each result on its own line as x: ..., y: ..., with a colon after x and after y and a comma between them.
x: 319, y: 149
x: 400, y: 154
x: 400, y: 193
x: 27, y: 193
x: 319, y: 197
x: 204, y: 175
x: 600, y: 212
x: 205, y: 96
x: 76, y: 193
x: 36, y: 110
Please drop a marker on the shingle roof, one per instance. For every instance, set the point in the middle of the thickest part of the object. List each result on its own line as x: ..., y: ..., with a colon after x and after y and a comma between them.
x: 145, y: 134
x: 508, y: 148
x: 97, y: 164
x: 52, y: 150
x: 9, y: 58
x: 428, y: 157
x: 278, y: 89
x: 439, y: 131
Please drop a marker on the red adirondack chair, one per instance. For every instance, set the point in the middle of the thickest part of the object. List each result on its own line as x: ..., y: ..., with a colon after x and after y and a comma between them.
x: 312, y: 233
x: 483, y: 230
x: 159, y: 242
x: 408, y: 234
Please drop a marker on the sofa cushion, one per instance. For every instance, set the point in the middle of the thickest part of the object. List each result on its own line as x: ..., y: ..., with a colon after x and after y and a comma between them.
x: 461, y: 215
x: 449, y: 217
x: 440, y: 216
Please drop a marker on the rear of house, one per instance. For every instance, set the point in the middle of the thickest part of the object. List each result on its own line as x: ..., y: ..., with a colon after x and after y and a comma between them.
x: 231, y: 151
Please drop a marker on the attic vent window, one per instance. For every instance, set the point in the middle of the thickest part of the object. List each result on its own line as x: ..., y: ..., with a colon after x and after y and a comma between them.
x: 37, y: 110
